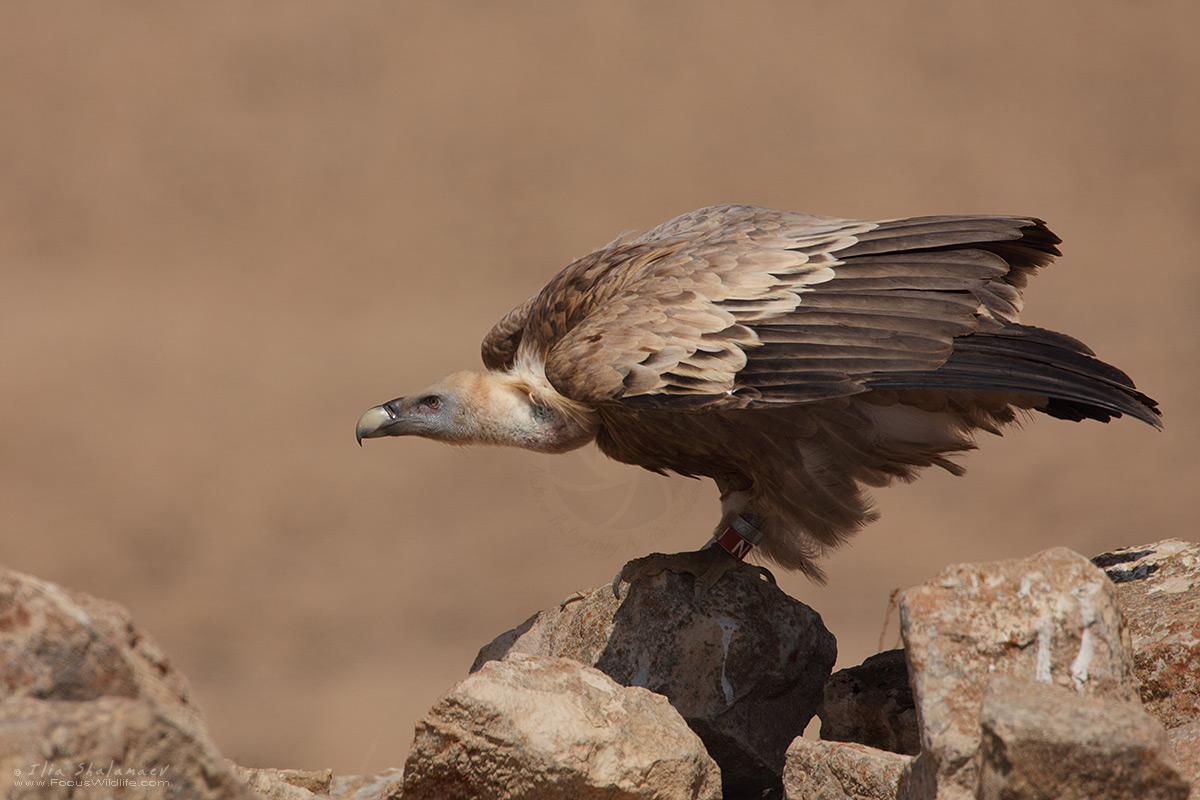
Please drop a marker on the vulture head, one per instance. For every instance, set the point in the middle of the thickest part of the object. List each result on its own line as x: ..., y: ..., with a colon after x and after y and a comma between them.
x: 480, y: 408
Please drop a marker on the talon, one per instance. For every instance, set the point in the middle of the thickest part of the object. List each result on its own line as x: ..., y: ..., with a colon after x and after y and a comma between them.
x: 643, y: 567
x: 765, y: 573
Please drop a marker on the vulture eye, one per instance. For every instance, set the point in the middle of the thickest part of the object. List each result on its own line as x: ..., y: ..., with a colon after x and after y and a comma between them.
x: 433, y: 401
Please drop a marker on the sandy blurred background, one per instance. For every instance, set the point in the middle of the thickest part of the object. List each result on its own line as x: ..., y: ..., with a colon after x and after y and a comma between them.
x: 228, y: 228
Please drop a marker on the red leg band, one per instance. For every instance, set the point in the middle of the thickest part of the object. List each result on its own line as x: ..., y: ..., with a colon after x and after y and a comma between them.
x: 739, y: 538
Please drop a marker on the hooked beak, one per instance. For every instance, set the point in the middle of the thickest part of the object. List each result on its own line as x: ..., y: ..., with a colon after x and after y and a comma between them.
x: 379, y: 421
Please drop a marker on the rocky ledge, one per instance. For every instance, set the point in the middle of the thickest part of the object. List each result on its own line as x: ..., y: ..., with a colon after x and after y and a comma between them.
x: 1054, y: 676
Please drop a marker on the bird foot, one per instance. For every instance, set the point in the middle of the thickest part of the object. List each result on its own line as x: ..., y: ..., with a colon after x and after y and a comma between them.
x: 707, y: 565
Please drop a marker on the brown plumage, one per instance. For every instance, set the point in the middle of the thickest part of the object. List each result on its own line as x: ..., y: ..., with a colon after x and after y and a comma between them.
x: 794, y: 359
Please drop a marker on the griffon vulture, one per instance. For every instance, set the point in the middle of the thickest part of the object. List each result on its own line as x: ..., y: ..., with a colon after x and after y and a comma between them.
x: 794, y: 359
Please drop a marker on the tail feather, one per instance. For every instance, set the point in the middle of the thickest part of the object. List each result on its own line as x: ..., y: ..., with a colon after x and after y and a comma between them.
x: 1022, y: 359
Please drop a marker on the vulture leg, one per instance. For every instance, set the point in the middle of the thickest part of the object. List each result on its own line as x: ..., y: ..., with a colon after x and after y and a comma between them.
x: 707, y: 565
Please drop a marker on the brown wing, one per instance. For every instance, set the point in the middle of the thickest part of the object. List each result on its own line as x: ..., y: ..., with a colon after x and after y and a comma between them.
x: 742, y: 307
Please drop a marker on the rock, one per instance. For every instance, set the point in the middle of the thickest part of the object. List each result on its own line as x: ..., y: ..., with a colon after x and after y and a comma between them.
x: 64, y: 645
x: 840, y: 771
x: 1185, y: 750
x: 872, y: 704
x: 106, y: 747
x: 746, y: 671
x: 383, y: 786
x: 87, y: 697
x: 1023, y: 680
x: 1051, y: 618
x: 534, y: 727
x: 284, y: 784
x: 1042, y: 741
x: 1158, y: 587
x: 579, y: 628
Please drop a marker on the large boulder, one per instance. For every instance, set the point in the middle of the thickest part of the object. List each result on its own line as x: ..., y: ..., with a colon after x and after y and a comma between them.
x: 746, y: 668
x: 536, y: 727
x: 90, y: 707
x: 64, y: 645
x: 1158, y: 587
x: 1052, y: 618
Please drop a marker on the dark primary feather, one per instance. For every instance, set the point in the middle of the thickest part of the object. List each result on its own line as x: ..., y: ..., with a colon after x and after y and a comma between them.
x: 1026, y: 360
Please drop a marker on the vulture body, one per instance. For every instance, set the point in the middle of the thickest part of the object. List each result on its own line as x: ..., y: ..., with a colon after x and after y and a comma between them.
x: 794, y: 359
